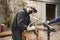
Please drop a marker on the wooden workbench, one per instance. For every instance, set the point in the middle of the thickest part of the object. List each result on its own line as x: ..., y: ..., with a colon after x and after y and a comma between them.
x: 5, y: 33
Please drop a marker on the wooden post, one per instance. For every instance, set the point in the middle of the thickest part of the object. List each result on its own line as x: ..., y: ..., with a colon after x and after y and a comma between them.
x: 25, y: 36
x: 36, y: 30
x: 36, y: 34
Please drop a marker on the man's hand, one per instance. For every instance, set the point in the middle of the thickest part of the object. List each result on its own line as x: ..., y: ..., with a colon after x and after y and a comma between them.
x: 31, y: 28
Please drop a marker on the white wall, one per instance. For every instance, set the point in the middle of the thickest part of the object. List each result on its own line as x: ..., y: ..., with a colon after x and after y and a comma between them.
x: 41, y: 7
x: 52, y: 1
x: 57, y: 10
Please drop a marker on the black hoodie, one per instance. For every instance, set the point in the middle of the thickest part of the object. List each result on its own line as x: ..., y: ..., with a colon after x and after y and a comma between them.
x: 21, y: 20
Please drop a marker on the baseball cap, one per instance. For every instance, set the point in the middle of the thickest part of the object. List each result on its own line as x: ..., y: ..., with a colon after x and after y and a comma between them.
x: 33, y: 7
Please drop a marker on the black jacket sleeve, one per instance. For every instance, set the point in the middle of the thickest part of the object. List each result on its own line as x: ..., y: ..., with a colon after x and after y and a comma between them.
x: 54, y: 20
x: 20, y: 21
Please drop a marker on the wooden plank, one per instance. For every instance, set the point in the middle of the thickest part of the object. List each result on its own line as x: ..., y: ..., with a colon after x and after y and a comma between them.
x: 5, y: 33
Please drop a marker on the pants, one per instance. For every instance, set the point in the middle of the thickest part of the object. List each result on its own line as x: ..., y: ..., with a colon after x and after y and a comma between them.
x: 17, y: 35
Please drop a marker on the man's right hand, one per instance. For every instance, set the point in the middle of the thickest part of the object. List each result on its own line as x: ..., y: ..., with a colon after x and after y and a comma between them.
x: 31, y: 28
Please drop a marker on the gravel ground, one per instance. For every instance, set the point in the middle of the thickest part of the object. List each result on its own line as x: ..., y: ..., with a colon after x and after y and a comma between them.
x: 54, y: 34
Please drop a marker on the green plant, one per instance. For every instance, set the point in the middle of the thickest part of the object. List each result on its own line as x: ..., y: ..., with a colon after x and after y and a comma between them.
x: 8, y: 21
x: 21, y: 3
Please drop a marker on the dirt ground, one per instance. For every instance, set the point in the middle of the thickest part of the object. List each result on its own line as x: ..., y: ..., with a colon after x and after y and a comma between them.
x: 54, y: 34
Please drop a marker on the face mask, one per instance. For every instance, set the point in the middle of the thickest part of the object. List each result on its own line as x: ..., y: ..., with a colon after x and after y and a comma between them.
x: 35, y: 11
x: 30, y: 12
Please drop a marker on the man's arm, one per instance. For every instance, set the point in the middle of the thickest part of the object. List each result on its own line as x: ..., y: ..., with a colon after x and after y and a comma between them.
x: 54, y: 20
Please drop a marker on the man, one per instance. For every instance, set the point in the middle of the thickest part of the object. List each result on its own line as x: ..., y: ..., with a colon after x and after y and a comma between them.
x: 48, y: 23
x: 54, y: 20
x: 21, y: 22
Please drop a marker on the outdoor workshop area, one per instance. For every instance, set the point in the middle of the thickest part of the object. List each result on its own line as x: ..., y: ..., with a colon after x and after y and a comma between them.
x: 47, y: 11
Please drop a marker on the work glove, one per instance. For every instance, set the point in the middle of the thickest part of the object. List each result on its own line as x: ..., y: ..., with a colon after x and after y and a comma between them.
x: 31, y: 28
